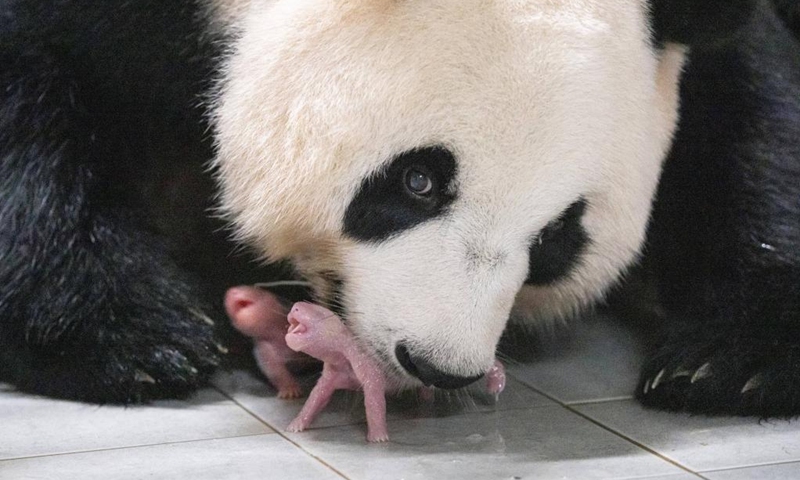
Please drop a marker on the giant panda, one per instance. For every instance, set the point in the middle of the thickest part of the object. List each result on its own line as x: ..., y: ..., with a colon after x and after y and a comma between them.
x: 433, y: 168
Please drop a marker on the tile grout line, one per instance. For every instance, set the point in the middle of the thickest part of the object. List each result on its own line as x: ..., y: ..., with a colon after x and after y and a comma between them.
x: 635, y: 442
x: 570, y: 408
x: 467, y: 409
x: 127, y: 447
x: 755, y: 465
x: 556, y: 401
x: 282, y: 435
x: 600, y: 401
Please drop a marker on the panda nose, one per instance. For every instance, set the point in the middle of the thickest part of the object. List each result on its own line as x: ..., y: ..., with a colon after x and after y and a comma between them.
x: 427, y: 373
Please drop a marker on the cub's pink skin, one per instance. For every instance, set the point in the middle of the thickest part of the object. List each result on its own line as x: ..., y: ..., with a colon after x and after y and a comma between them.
x: 318, y: 332
x: 258, y: 314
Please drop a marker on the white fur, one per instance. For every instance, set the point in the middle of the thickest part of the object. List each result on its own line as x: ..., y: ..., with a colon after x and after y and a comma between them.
x: 226, y: 16
x: 542, y: 101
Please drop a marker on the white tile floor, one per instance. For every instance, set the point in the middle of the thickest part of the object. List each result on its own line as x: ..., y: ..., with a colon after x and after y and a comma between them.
x: 569, y: 415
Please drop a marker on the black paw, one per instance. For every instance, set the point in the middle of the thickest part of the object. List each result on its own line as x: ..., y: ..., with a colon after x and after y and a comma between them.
x: 735, y: 374
x: 166, y: 354
x: 125, y: 326
x: 160, y: 343
x: 131, y: 355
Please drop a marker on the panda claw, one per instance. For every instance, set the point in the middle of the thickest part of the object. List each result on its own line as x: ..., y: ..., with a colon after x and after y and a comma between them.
x: 754, y: 382
x: 703, y: 372
x: 143, y: 377
x: 202, y: 317
x: 657, y: 380
x: 680, y: 372
x: 646, y: 387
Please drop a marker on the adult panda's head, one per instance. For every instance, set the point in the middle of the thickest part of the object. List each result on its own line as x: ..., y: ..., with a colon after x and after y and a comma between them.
x: 428, y: 163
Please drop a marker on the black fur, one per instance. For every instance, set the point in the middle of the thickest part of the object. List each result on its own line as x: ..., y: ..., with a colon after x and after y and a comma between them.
x: 557, y: 250
x: 99, y: 138
x: 725, y: 236
x: 698, y: 22
x: 789, y: 10
x: 103, y: 198
x: 383, y: 206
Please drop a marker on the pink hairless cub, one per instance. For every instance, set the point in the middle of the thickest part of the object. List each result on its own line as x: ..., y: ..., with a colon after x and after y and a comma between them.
x: 320, y: 333
x: 259, y: 315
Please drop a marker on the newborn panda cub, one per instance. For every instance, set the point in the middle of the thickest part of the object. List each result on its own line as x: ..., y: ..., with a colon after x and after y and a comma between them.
x: 318, y: 332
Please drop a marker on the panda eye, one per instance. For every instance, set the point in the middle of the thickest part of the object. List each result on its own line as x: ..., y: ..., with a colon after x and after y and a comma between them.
x: 418, y: 182
x: 417, y: 186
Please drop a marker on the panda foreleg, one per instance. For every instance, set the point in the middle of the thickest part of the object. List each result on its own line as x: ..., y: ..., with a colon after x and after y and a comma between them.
x: 91, y: 307
x: 725, y: 235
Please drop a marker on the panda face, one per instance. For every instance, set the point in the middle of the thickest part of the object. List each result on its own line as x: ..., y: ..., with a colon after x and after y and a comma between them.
x: 433, y: 165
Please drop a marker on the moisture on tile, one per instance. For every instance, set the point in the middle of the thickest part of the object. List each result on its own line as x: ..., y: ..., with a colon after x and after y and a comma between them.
x: 546, y: 442
x: 347, y: 408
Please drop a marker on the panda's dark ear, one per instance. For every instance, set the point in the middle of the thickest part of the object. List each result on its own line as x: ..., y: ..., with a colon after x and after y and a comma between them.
x: 698, y: 22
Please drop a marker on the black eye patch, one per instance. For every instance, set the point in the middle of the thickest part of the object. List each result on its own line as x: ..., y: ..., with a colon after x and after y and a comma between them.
x: 417, y: 186
x: 557, y: 249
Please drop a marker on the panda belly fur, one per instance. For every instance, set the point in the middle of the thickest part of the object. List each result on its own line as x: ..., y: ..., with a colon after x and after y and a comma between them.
x: 104, y: 278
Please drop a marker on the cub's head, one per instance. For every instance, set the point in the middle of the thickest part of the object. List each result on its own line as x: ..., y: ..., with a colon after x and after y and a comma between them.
x: 432, y: 165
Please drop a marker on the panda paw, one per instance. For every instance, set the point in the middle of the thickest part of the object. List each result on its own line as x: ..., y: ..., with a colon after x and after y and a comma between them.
x: 168, y: 355
x: 740, y: 374
x: 141, y: 344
